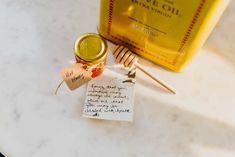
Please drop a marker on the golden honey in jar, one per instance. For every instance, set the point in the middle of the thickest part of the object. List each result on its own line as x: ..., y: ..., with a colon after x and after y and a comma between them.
x: 91, y: 50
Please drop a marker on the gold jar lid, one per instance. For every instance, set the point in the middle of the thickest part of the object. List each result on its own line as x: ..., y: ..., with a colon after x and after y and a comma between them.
x: 91, y: 48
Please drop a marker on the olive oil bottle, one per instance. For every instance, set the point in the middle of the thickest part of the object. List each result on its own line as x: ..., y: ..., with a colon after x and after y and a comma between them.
x: 167, y: 32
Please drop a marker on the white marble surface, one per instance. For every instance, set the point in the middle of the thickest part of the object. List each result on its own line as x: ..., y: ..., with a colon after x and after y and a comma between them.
x: 36, y: 42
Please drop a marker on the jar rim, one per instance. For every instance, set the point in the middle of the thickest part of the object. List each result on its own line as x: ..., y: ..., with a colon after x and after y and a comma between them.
x: 91, y: 48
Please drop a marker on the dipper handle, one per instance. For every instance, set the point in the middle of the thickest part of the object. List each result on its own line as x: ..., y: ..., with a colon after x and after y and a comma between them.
x: 124, y: 56
x: 137, y: 65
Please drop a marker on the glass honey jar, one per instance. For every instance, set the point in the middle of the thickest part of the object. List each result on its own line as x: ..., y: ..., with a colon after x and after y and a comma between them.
x: 91, y: 50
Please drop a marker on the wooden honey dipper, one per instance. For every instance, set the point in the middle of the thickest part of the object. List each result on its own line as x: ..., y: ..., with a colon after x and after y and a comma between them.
x: 125, y: 57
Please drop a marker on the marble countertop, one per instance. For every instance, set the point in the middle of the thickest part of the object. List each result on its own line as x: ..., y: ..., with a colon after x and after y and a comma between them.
x: 37, y: 41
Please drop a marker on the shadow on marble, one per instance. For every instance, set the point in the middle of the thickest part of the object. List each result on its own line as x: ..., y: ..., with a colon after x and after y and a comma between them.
x: 226, y: 54
x: 221, y: 41
x: 161, y: 128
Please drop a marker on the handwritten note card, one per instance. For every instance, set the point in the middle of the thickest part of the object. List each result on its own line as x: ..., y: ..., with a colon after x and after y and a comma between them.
x: 111, y: 96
